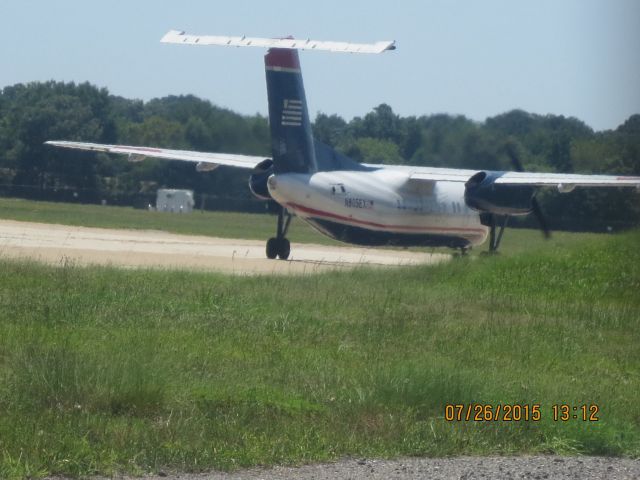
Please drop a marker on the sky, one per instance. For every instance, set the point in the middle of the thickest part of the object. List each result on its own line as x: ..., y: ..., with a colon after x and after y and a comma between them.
x: 577, y: 58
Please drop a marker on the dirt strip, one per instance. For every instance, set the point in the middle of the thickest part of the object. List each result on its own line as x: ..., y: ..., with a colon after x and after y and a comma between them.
x: 458, y: 468
x: 59, y: 244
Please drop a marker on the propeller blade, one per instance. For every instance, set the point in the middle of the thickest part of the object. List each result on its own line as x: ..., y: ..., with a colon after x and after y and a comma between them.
x: 512, y: 152
x: 537, y: 212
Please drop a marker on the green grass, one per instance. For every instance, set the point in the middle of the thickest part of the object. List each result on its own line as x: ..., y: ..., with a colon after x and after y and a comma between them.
x: 105, y: 370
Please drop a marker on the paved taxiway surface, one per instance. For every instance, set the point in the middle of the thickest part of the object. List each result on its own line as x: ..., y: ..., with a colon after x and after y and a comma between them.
x: 57, y: 244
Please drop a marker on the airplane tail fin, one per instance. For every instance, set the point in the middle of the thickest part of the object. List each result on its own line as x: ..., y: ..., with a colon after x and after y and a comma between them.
x: 294, y: 149
x: 291, y: 138
x: 292, y: 142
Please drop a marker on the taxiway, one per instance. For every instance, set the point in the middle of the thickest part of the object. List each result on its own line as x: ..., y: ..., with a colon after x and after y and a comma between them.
x: 60, y: 244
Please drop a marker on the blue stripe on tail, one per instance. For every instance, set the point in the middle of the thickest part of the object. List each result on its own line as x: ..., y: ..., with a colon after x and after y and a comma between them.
x: 292, y: 145
x: 291, y: 139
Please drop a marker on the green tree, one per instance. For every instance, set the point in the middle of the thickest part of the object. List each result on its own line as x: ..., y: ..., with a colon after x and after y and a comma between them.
x: 38, y: 112
x: 374, y: 150
x: 330, y: 129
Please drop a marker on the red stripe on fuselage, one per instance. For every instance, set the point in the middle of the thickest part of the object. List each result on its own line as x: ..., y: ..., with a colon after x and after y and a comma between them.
x: 313, y: 211
x: 282, y: 58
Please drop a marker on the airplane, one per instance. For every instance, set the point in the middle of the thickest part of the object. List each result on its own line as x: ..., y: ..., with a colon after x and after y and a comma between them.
x: 363, y: 204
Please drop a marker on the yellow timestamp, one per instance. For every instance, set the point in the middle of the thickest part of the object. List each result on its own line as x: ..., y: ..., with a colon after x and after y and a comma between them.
x: 480, y: 412
x: 534, y: 412
x: 565, y: 412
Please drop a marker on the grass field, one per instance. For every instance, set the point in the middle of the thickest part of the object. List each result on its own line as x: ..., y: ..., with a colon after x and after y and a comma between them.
x: 105, y: 370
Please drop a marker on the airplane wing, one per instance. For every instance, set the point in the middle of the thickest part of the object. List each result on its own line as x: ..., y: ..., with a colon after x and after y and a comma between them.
x: 564, y: 182
x: 205, y: 161
x: 567, y: 181
x: 427, y: 174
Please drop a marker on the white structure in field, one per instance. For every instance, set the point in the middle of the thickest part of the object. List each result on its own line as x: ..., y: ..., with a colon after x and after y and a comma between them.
x: 176, y: 201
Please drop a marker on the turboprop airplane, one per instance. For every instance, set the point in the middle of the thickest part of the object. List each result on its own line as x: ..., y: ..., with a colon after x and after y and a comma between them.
x: 359, y: 203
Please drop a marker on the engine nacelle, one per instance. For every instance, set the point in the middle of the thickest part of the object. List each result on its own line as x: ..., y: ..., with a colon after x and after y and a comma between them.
x: 258, y: 179
x: 484, y: 195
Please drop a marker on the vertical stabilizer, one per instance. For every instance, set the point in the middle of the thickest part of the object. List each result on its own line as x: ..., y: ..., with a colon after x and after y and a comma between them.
x: 292, y: 144
x: 291, y: 139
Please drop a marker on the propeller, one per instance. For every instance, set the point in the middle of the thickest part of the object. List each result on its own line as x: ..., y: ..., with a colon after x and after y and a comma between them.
x: 535, y: 206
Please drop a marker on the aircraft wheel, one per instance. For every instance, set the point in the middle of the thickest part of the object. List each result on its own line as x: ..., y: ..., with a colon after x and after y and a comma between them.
x: 272, y: 248
x: 284, y: 249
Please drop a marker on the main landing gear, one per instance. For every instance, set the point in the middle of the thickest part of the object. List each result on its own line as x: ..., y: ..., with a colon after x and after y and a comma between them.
x: 279, y: 246
x: 495, y: 237
x: 494, y: 241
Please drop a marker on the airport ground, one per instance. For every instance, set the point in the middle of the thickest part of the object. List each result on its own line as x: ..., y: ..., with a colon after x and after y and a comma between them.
x: 56, y: 244
x: 105, y: 370
x: 523, y: 467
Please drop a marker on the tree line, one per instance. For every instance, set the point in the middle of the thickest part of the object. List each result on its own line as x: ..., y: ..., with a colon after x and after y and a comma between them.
x: 32, y: 113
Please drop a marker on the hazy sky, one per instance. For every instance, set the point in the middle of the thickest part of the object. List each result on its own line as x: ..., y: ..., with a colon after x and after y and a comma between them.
x: 474, y: 57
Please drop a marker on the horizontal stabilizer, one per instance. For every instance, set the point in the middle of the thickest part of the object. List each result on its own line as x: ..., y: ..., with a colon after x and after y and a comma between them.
x: 175, y: 36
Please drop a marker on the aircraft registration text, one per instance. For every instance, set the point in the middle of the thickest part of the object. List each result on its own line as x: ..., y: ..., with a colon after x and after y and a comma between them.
x: 358, y: 203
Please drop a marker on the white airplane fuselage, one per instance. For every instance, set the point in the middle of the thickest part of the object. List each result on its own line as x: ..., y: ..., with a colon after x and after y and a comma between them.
x: 380, y: 207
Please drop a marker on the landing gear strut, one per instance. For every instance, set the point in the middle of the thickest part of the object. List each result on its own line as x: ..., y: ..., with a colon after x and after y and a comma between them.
x: 279, y: 246
x: 494, y: 242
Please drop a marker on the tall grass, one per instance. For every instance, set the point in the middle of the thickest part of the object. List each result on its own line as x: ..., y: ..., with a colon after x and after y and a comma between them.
x: 105, y: 370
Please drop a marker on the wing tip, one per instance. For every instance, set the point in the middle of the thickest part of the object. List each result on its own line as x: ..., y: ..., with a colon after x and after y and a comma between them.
x: 56, y: 143
x: 172, y: 35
